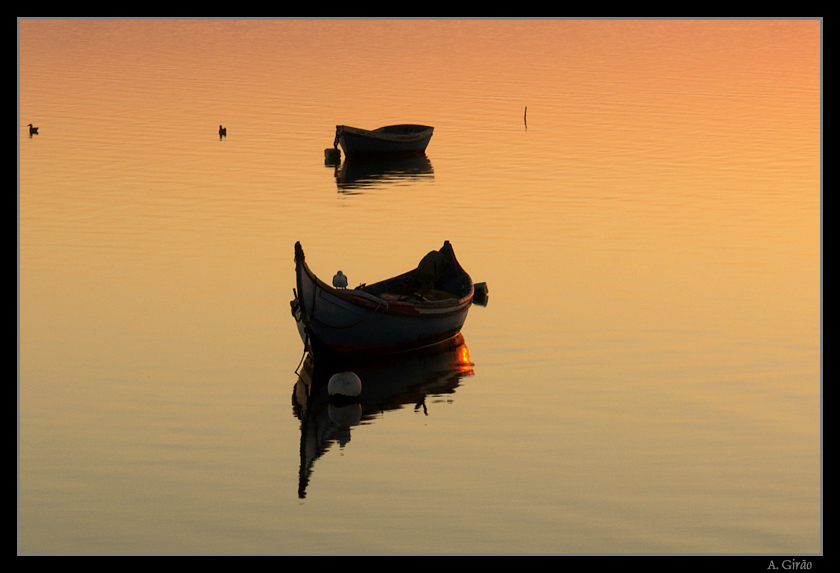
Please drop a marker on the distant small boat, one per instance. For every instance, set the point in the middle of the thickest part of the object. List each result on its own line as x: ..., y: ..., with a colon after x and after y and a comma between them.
x: 392, y: 140
x: 33, y: 130
x: 418, y: 308
x: 222, y: 131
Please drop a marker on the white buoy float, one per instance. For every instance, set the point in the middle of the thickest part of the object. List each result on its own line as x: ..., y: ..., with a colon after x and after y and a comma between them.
x: 344, y: 408
x: 344, y: 385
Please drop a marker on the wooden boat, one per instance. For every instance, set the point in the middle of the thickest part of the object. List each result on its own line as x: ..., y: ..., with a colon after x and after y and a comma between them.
x: 392, y: 140
x: 417, y: 308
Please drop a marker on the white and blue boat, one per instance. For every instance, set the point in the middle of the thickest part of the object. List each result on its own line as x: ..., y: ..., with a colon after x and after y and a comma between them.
x: 418, y: 308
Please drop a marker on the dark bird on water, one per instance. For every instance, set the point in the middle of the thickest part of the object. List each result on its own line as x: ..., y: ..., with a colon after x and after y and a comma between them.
x: 222, y: 131
x: 33, y: 130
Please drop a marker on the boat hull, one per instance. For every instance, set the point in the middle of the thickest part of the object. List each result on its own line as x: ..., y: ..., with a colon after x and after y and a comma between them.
x: 357, y: 322
x: 402, y: 140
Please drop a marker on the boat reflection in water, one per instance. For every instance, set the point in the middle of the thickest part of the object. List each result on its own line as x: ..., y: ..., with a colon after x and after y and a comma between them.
x: 388, y: 383
x: 357, y: 175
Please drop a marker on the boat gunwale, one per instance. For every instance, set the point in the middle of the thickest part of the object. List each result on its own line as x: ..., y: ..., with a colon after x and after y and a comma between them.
x: 366, y: 300
x: 380, y: 134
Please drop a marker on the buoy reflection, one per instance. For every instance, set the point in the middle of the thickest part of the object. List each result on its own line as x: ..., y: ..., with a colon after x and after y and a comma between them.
x: 330, y: 398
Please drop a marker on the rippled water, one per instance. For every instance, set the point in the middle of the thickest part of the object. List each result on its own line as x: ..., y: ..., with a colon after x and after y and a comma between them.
x: 646, y: 377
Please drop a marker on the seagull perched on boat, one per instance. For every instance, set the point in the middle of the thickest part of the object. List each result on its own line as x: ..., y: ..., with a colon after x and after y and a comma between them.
x: 222, y: 131
x: 33, y: 130
x: 339, y: 280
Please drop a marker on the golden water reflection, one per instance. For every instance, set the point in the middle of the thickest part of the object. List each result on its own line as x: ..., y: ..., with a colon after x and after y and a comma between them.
x: 653, y: 239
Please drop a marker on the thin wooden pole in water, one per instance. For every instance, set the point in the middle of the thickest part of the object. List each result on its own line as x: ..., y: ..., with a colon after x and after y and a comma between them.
x: 525, y: 117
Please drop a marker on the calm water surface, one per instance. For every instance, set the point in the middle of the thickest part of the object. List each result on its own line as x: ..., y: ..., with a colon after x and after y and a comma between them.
x: 646, y: 377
